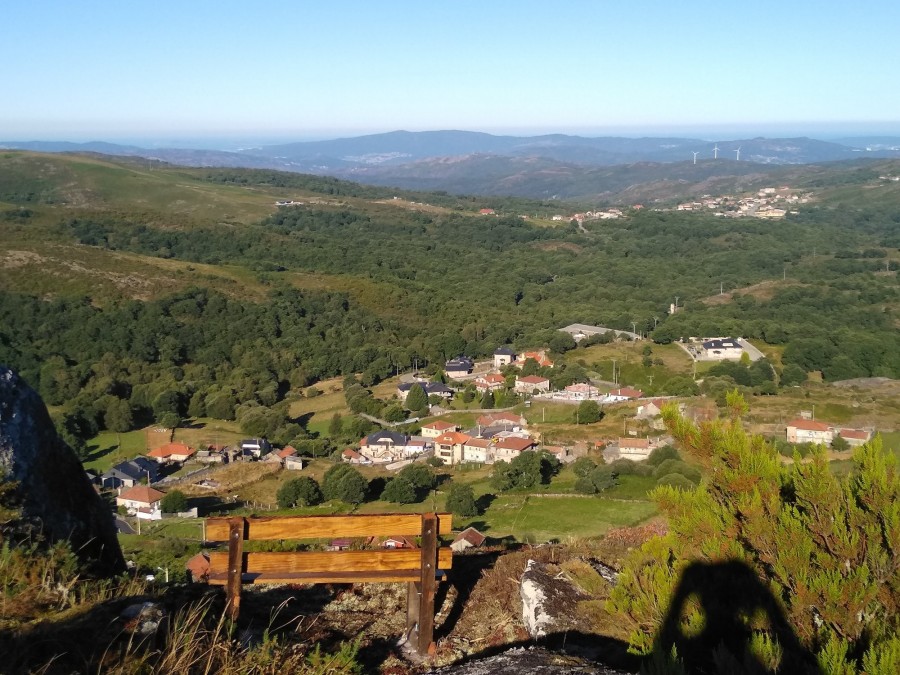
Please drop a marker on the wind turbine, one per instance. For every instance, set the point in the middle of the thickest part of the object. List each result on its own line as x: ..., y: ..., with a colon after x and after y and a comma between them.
x: 737, y: 154
x: 695, y: 156
x: 716, y: 152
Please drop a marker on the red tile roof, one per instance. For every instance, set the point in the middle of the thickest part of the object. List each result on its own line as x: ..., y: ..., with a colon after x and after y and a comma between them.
x: 533, y: 379
x: 471, y: 535
x: 287, y: 452
x: 627, y: 392
x: 808, y: 425
x: 142, y: 493
x: 170, y: 449
x: 642, y: 443
x: 452, y: 438
x: 439, y: 425
x: 515, y: 443
x: 855, y: 434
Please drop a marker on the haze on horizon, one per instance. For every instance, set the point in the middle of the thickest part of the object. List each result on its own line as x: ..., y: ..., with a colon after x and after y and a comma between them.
x: 226, y: 72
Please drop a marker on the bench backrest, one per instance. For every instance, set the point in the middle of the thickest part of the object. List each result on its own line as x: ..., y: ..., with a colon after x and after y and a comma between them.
x: 327, y: 566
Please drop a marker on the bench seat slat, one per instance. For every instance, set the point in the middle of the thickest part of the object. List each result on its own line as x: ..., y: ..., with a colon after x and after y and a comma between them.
x: 328, y: 527
x: 219, y: 579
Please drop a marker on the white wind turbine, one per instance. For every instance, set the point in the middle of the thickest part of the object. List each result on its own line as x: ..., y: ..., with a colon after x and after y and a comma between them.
x: 737, y: 154
x: 695, y: 156
x: 716, y: 152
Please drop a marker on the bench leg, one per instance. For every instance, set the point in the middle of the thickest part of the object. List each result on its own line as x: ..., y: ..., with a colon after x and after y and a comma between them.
x: 412, y: 611
x: 235, y: 567
x: 427, y: 585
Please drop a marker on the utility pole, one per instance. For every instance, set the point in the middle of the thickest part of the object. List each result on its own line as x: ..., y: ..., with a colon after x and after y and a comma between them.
x: 614, y: 372
x: 721, y: 288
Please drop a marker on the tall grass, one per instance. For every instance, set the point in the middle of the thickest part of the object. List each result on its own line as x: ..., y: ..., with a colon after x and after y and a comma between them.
x: 198, y: 643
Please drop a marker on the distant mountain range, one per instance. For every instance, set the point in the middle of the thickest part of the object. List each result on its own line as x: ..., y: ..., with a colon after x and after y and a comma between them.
x: 550, y: 166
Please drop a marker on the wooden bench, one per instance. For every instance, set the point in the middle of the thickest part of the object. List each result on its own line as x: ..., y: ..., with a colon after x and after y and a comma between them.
x: 420, y: 568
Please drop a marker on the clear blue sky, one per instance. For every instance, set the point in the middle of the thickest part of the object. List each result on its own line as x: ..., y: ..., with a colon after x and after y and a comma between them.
x: 271, y: 69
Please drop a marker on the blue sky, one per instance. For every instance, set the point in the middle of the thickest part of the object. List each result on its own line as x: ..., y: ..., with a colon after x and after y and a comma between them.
x: 170, y: 70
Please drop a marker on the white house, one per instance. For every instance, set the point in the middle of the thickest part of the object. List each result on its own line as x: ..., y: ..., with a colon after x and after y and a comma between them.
x: 503, y: 357
x: 478, y: 450
x: 142, y: 501
x: 722, y: 348
x: 623, y: 394
x: 582, y: 391
x: 809, y: 431
x: 437, y: 428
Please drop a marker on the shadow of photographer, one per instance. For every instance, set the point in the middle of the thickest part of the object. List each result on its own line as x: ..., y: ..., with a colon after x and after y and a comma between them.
x: 736, y: 610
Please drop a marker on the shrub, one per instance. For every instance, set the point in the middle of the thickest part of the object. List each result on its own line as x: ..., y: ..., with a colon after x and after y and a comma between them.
x: 461, y: 500
x: 175, y: 501
x: 583, y: 466
x: 420, y: 476
x: 677, y: 466
x: 344, y: 483
x: 302, y: 491
x: 399, y: 490
x: 661, y: 454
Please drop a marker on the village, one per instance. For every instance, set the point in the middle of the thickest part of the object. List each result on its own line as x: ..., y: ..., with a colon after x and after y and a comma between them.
x: 768, y: 202
x: 492, y: 436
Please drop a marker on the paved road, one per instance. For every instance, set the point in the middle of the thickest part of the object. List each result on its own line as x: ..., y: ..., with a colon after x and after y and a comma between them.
x: 755, y: 354
x: 123, y: 526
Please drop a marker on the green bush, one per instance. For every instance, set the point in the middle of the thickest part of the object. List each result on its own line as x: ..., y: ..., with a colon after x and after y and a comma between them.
x: 175, y: 501
x: 677, y: 466
x: 301, y: 491
x: 461, y: 500
x: 661, y: 454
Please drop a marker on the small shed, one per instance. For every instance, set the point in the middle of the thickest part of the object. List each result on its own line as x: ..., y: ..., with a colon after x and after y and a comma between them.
x: 468, y: 538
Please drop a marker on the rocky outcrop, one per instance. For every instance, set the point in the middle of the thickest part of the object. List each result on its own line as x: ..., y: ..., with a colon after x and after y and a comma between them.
x: 532, y: 660
x: 548, y: 600
x: 57, y: 500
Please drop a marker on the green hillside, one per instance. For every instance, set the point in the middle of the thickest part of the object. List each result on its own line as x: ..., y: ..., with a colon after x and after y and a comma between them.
x: 240, y: 300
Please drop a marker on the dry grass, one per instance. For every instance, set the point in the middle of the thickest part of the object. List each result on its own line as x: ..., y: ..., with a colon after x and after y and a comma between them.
x: 233, y: 477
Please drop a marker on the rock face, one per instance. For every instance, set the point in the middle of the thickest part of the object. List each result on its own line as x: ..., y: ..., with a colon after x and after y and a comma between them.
x: 534, y: 661
x: 56, y: 497
x: 548, y: 600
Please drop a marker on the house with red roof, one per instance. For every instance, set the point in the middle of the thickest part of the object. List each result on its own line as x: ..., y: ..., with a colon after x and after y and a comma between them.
x: 635, y: 449
x: 855, y: 437
x: 582, y: 391
x: 812, y: 431
x: 438, y: 427
x: 172, y: 452
x: 351, y: 456
x: 809, y: 431
x: 532, y: 383
x: 505, y: 419
x: 490, y: 382
x: 468, y: 538
x: 478, y: 450
x: 198, y: 567
x: 509, y: 447
x: 142, y: 501
x: 448, y: 447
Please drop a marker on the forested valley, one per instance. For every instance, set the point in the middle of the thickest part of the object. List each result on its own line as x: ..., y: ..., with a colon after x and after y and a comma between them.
x: 349, y: 282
